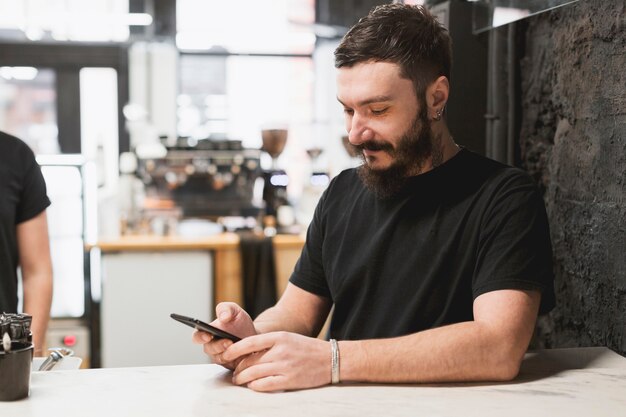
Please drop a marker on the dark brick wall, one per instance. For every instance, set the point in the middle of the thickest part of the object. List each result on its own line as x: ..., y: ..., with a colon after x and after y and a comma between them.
x: 573, y: 140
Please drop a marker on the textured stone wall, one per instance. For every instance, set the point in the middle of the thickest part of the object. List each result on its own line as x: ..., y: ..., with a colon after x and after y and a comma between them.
x: 573, y: 140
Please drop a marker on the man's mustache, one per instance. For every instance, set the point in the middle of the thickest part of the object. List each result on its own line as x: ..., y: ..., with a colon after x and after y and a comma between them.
x: 372, y: 145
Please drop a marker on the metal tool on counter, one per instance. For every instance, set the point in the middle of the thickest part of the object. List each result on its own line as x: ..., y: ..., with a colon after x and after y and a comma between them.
x: 56, y: 355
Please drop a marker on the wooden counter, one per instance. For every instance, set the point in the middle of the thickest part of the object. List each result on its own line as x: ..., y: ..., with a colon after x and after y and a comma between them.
x: 223, y: 241
x: 225, y: 247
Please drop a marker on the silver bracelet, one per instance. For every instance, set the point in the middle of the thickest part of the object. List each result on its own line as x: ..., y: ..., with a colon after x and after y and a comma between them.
x: 334, y: 362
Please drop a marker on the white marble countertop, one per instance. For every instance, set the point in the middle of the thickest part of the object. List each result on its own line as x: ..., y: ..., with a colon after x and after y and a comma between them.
x: 561, y: 382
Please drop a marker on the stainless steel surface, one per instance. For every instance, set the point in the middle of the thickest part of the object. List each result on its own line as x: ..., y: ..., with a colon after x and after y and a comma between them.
x: 207, y: 183
x: 63, y: 351
x: 51, y: 361
x: 56, y: 355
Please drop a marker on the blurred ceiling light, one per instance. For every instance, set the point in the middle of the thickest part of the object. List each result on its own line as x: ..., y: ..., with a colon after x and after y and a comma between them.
x: 137, y: 19
x: 66, y: 19
x: 70, y: 18
x: 18, y: 73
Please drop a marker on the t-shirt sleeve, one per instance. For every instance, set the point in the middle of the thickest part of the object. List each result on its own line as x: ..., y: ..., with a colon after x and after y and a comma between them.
x: 33, y: 198
x: 309, y: 273
x: 514, y: 249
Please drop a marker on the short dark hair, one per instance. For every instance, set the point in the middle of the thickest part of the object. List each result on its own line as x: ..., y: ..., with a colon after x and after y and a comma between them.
x: 407, y: 35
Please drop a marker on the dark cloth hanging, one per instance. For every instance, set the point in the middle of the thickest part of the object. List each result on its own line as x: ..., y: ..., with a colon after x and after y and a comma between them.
x: 258, y: 272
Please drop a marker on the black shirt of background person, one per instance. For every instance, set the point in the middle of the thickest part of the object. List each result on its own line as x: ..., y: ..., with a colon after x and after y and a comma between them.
x: 22, y: 197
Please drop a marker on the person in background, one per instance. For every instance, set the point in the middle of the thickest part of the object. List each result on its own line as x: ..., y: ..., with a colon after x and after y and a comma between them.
x: 24, y: 236
x: 437, y: 260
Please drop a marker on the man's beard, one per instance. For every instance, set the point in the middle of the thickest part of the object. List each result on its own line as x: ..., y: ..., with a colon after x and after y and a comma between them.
x: 413, y: 150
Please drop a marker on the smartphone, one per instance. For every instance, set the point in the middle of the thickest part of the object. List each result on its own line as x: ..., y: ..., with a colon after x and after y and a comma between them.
x: 205, y: 327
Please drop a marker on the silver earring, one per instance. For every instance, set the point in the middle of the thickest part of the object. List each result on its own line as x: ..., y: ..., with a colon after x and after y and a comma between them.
x: 438, y: 115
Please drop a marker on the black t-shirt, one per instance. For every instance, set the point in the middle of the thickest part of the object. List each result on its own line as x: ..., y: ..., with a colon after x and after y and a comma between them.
x: 418, y: 261
x: 22, y: 197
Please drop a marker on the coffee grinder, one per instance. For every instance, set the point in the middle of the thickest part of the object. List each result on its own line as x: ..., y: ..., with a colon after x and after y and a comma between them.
x: 313, y: 187
x: 319, y: 176
x: 275, y: 179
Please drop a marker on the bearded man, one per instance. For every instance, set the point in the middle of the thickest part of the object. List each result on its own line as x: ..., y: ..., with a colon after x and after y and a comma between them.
x: 436, y: 259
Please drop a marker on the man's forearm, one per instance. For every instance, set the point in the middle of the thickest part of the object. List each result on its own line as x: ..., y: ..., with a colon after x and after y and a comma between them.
x: 36, y: 265
x: 298, y: 311
x: 279, y: 318
x: 37, y: 302
x: 489, y: 348
x: 466, y: 351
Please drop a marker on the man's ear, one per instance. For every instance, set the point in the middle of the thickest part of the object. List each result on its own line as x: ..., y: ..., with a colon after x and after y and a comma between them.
x: 437, y: 96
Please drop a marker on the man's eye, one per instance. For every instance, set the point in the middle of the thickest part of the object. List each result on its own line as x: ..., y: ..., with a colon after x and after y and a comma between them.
x: 349, y: 112
x: 379, y: 111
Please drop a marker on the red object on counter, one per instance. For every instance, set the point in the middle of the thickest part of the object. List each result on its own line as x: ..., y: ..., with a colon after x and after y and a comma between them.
x: 69, y: 340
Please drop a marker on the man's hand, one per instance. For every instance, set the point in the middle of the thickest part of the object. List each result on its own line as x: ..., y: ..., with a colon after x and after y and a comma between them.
x: 231, y: 318
x: 280, y: 361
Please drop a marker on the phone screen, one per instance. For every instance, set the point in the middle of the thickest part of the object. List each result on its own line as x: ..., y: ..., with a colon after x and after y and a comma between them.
x: 205, y: 327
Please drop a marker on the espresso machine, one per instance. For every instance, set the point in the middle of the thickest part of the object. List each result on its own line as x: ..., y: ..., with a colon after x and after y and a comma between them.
x: 275, y: 179
x: 205, y: 178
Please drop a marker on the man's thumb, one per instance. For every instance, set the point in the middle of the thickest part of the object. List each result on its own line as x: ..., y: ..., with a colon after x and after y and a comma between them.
x: 226, y: 311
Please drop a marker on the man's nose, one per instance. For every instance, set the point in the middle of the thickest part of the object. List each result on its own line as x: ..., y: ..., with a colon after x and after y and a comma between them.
x: 359, y: 131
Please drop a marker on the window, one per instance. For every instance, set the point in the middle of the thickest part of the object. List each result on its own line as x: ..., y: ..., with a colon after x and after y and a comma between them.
x: 244, y: 66
x: 67, y: 20
x: 246, y: 26
x: 28, y: 106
